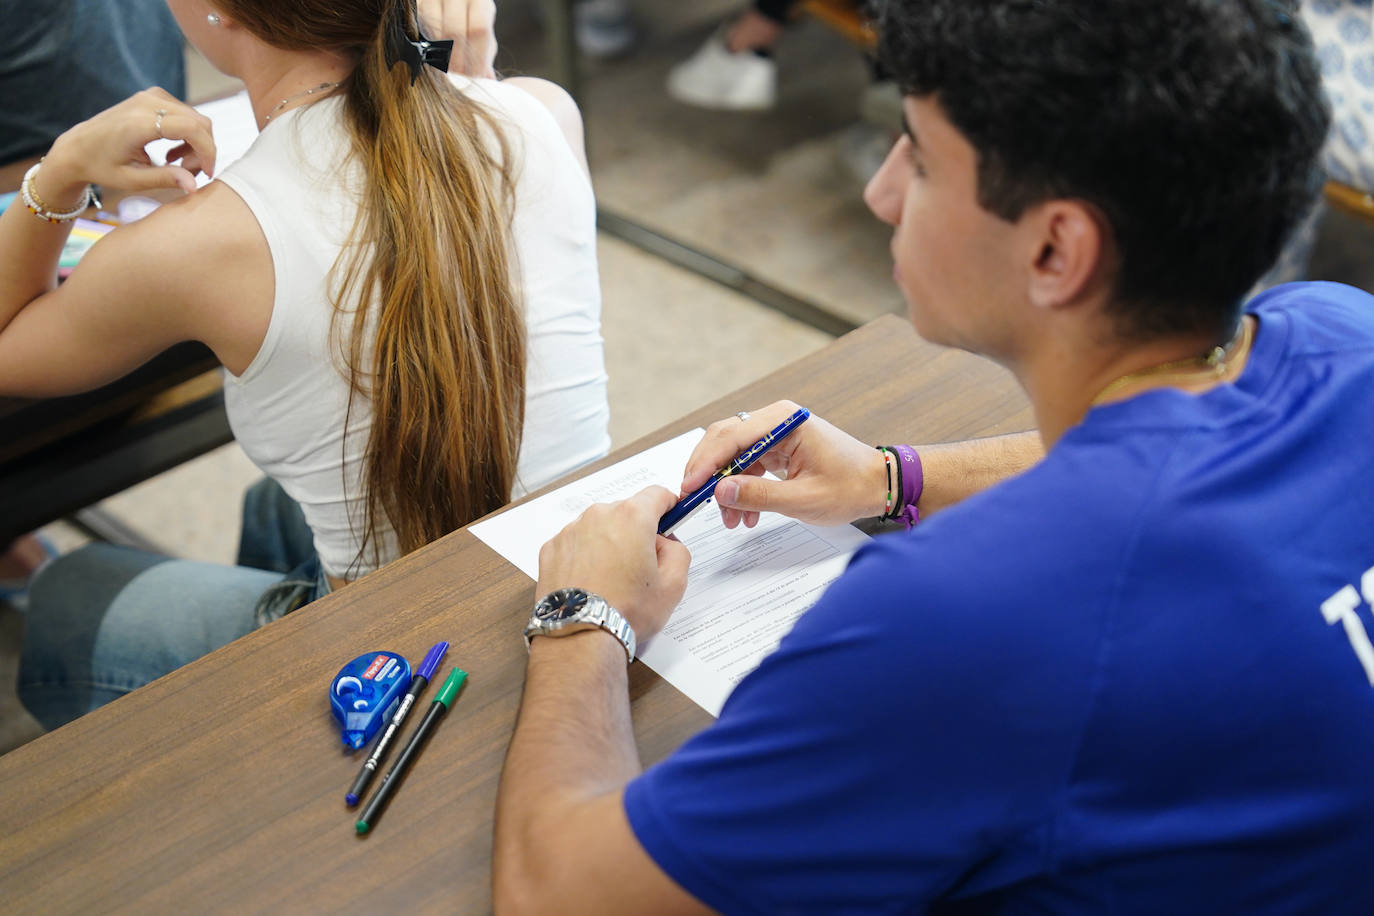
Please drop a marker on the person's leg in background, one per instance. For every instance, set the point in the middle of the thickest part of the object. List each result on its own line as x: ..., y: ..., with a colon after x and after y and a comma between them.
x: 275, y: 536
x: 734, y: 70
x: 104, y: 620
x: 759, y: 27
x: 19, y: 561
x: 604, y: 28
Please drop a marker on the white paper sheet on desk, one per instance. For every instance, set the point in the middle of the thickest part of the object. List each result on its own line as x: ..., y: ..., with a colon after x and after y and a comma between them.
x: 745, y: 587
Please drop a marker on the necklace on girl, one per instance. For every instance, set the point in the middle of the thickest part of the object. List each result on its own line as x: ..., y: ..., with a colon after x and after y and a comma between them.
x: 299, y: 95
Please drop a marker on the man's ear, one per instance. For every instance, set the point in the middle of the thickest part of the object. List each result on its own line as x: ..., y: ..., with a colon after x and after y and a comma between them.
x: 1069, y: 240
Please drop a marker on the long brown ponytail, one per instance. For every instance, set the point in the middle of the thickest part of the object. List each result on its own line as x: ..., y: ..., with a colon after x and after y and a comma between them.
x: 436, y: 340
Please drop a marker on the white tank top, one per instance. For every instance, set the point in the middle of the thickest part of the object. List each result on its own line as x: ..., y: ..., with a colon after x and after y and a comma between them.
x: 287, y: 409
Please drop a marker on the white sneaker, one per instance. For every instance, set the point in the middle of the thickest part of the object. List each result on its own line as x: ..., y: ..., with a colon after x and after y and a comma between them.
x: 603, y: 28
x: 715, y: 78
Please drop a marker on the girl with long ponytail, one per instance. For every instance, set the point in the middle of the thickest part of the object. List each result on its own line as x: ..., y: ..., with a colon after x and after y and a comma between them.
x: 399, y: 278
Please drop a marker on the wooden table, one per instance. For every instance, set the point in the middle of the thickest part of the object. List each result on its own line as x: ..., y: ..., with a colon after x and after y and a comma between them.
x: 220, y: 787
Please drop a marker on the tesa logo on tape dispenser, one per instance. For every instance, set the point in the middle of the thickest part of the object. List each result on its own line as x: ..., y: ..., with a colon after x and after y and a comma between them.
x: 365, y: 694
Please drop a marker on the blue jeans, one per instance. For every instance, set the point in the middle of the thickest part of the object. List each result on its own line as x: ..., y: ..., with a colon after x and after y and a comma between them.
x: 104, y: 620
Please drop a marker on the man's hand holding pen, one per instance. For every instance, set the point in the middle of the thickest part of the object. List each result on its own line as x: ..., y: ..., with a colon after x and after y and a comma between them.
x: 614, y: 550
x: 830, y: 477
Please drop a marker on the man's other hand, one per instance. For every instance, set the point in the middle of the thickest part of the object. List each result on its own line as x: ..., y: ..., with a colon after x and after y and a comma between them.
x: 614, y: 550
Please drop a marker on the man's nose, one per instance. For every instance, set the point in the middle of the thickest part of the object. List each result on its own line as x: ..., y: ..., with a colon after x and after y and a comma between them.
x: 883, y: 194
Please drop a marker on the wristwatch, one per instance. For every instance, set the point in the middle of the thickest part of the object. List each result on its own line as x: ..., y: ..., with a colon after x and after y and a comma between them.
x: 571, y: 610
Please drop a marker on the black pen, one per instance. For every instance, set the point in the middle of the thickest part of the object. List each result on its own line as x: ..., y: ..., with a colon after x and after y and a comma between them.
x: 417, y: 687
x: 441, y: 703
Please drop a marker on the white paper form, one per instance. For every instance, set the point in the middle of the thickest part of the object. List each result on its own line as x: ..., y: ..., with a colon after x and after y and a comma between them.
x: 745, y: 589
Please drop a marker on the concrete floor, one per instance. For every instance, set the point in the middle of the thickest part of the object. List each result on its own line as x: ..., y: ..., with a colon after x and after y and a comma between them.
x: 767, y: 192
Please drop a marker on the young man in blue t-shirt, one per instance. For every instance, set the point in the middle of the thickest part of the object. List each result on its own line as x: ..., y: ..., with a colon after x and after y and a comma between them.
x: 1135, y: 674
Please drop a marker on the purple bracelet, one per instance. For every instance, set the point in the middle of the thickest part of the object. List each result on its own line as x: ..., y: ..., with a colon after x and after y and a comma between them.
x: 913, y: 481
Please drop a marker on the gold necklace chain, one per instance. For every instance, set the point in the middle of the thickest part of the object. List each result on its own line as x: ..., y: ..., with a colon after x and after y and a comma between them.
x: 1217, y: 361
x: 291, y: 98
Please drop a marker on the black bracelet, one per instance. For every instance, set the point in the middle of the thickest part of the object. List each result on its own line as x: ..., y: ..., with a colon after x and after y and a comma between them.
x: 896, y: 503
x: 891, y: 493
x: 894, y: 495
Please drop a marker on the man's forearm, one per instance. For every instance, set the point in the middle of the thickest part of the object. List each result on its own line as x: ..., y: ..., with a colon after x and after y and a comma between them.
x: 573, y: 745
x: 956, y: 470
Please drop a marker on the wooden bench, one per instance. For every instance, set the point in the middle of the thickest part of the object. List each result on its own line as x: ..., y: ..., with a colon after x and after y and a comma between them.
x: 1351, y: 200
x: 845, y: 17
x: 59, y: 456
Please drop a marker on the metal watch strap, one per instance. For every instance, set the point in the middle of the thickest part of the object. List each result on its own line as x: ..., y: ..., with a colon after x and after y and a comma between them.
x: 609, y: 619
x: 596, y: 612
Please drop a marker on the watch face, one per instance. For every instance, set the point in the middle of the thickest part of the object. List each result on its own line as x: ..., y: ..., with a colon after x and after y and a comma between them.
x: 562, y: 604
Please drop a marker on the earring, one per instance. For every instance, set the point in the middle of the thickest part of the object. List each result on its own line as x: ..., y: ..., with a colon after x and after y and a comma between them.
x: 213, y: 19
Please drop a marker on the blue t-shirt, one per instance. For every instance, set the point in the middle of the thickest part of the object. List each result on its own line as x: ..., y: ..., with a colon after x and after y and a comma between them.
x: 1134, y: 679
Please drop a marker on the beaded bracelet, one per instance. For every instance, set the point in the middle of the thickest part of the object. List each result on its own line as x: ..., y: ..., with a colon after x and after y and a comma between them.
x: 40, y: 209
x: 910, y: 483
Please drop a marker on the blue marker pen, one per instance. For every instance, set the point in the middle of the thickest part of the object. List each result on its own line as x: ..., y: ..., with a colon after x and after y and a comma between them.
x: 702, y: 495
x: 417, y: 687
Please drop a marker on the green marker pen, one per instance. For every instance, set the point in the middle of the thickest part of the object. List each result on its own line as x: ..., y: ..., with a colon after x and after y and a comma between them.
x: 452, y: 685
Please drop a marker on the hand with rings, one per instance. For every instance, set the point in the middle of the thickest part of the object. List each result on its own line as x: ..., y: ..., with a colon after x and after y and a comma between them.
x: 829, y: 476
x: 108, y: 149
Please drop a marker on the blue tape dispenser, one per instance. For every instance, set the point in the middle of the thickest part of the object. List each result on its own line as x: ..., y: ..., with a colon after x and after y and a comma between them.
x: 365, y: 694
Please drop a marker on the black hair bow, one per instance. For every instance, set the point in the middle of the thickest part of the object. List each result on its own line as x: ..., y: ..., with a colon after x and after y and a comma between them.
x: 415, y: 53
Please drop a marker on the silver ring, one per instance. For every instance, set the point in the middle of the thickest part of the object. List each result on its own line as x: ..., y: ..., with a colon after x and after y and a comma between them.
x: 157, y: 125
x: 743, y: 415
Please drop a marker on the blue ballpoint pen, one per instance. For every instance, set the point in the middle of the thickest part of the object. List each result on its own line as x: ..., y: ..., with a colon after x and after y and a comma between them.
x: 702, y: 495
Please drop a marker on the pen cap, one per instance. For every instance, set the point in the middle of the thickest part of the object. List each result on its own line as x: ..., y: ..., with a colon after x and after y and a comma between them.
x: 456, y: 677
x: 431, y: 661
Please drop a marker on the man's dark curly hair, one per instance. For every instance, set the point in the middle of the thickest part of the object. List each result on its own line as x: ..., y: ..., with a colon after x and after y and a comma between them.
x: 1195, y: 126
